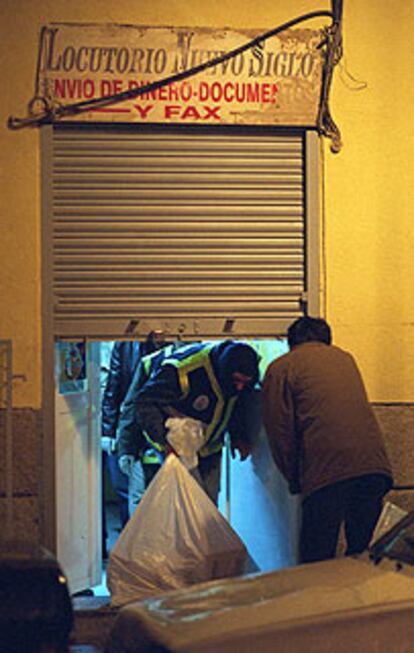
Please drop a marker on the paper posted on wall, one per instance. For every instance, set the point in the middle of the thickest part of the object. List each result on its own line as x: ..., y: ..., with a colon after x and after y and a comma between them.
x: 175, y: 538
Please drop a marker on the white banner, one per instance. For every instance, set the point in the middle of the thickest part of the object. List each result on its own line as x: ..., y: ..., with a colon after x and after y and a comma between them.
x: 277, y: 83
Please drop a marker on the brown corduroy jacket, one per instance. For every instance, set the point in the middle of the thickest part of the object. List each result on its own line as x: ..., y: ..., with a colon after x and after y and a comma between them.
x: 320, y: 425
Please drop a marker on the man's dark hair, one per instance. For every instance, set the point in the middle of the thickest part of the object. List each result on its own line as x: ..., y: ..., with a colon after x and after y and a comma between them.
x: 309, y: 329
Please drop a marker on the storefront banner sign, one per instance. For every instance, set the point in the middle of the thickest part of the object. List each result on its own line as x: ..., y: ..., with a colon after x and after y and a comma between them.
x: 276, y: 83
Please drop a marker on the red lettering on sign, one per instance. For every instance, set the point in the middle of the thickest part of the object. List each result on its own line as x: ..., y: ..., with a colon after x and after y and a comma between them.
x: 240, y: 92
x: 211, y: 112
x: 110, y: 87
x: 74, y: 88
x: 192, y: 112
x: 172, y: 110
x: 143, y: 111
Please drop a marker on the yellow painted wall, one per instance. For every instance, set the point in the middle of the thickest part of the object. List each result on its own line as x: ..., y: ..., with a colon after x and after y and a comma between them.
x: 370, y: 197
x: 368, y: 191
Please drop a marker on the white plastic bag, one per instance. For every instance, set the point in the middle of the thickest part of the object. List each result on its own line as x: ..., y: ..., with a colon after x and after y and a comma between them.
x: 175, y: 538
x: 186, y: 436
x: 390, y: 515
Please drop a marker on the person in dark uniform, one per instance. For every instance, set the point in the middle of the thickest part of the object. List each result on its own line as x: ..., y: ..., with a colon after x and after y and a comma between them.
x: 125, y: 358
x: 136, y: 457
x: 207, y: 382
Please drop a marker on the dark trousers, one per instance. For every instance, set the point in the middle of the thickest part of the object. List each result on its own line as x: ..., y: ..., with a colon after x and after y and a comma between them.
x: 357, y: 503
x: 119, y: 484
x: 209, y: 469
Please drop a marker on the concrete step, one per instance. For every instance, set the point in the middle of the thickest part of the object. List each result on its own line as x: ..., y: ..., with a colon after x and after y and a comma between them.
x: 94, y: 617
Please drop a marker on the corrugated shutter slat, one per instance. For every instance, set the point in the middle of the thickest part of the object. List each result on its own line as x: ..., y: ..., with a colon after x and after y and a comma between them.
x: 173, y: 227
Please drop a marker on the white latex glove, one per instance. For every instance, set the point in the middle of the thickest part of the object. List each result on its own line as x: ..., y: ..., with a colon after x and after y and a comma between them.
x: 108, y: 444
x: 126, y: 463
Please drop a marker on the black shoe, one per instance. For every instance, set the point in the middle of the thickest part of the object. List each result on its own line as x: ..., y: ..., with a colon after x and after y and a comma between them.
x: 87, y: 592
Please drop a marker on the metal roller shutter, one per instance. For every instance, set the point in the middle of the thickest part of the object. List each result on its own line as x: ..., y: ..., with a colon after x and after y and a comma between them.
x: 199, y: 233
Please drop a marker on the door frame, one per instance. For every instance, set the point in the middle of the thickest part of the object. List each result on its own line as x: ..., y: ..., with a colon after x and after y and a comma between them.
x: 312, y: 303
x: 48, y: 481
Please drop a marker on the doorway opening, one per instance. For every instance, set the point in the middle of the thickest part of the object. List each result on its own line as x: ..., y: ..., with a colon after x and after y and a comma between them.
x: 208, y: 225
x: 253, y: 495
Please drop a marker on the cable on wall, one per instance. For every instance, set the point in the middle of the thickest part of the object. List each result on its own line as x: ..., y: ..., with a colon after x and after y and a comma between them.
x: 41, y: 111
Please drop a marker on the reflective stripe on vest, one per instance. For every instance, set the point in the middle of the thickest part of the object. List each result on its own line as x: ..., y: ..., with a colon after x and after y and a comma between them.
x: 148, y: 362
x: 219, y: 421
x: 150, y: 459
x: 153, y: 361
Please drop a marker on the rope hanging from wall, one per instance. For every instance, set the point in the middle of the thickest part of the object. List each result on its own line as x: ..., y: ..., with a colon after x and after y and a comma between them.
x: 42, y: 112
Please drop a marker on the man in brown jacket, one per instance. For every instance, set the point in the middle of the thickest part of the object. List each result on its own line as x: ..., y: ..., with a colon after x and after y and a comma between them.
x: 325, y: 440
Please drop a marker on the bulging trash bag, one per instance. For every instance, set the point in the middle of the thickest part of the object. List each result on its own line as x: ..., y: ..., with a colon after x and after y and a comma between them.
x: 186, y: 436
x: 175, y: 538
